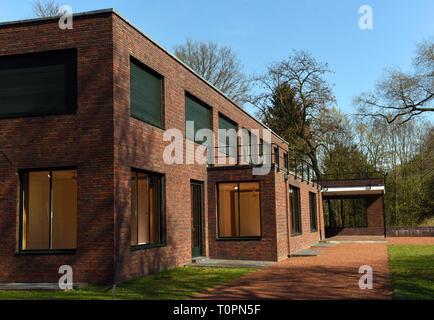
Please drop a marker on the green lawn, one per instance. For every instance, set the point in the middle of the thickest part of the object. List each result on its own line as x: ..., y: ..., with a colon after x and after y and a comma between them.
x: 178, y: 283
x: 412, y: 271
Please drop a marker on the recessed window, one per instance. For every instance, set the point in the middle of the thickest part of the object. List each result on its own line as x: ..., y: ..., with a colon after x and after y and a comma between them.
x: 294, y: 202
x: 48, y: 210
x: 312, y: 205
x: 146, y: 208
x: 239, y: 212
x: 146, y: 87
x: 228, y: 138
x: 38, y: 84
x: 200, y: 115
x: 285, y: 161
x: 276, y: 157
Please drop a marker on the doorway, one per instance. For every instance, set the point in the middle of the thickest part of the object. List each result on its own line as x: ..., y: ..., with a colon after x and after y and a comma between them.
x: 196, y: 218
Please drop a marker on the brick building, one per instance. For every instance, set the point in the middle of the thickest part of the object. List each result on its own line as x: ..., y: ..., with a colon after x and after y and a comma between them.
x: 83, y: 179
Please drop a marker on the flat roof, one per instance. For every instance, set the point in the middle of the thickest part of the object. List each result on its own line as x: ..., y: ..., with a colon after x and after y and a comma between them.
x: 111, y: 10
x: 358, y: 190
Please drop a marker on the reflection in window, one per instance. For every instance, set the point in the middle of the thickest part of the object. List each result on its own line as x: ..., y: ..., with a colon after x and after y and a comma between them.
x: 239, y: 209
x: 49, y: 211
x: 294, y: 202
x: 312, y: 205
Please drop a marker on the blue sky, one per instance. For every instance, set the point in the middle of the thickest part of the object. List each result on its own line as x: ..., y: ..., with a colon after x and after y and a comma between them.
x: 261, y: 32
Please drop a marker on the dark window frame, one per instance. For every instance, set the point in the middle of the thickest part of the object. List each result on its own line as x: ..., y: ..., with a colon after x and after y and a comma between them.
x: 66, y: 57
x: 295, y: 206
x: 240, y: 238
x: 162, y: 215
x: 143, y: 66
x: 22, y: 251
x: 313, y: 212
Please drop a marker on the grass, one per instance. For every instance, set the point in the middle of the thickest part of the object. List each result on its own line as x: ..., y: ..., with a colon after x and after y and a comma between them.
x: 412, y: 269
x: 178, y: 283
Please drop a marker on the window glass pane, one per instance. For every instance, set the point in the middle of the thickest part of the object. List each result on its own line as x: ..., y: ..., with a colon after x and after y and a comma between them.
x: 146, y: 95
x: 36, y: 211
x: 38, y: 84
x: 313, y: 220
x: 64, y: 234
x: 201, y: 115
x: 276, y: 156
x: 36, y: 90
x: 227, y: 139
x: 228, y: 210
x: 133, y: 208
x: 154, y: 207
x: 294, y: 199
x: 250, y: 213
x: 142, y: 212
x: 146, y: 209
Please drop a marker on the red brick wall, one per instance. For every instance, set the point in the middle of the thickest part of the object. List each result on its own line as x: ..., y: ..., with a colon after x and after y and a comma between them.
x: 84, y: 140
x: 307, y: 238
x: 104, y: 143
x: 140, y: 145
x: 274, y: 244
x: 263, y: 249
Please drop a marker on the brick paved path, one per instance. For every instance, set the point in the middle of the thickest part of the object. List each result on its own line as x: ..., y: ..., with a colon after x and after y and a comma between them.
x: 331, y: 275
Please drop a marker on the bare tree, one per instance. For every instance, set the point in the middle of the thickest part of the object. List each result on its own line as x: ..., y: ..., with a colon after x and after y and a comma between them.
x: 294, y: 102
x: 400, y: 96
x: 219, y: 65
x: 45, y: 8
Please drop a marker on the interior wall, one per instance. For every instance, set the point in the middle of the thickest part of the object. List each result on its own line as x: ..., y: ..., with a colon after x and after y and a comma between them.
x: 36, y: 213
x: 64, y: 210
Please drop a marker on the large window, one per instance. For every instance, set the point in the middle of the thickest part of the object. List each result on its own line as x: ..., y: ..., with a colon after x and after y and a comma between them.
x: 294, y: 201
x: 345, y: 212
x: 48, y: 210
x: 228, y: 137
x: 38, y: 84
x: 312, y: 205
x: 239, y: 212
x: 146, y: 209
x: 146, y: 88
x: 198, y: 113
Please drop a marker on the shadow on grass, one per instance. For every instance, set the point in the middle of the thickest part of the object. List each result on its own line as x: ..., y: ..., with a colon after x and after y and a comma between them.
x: 178, y: 283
